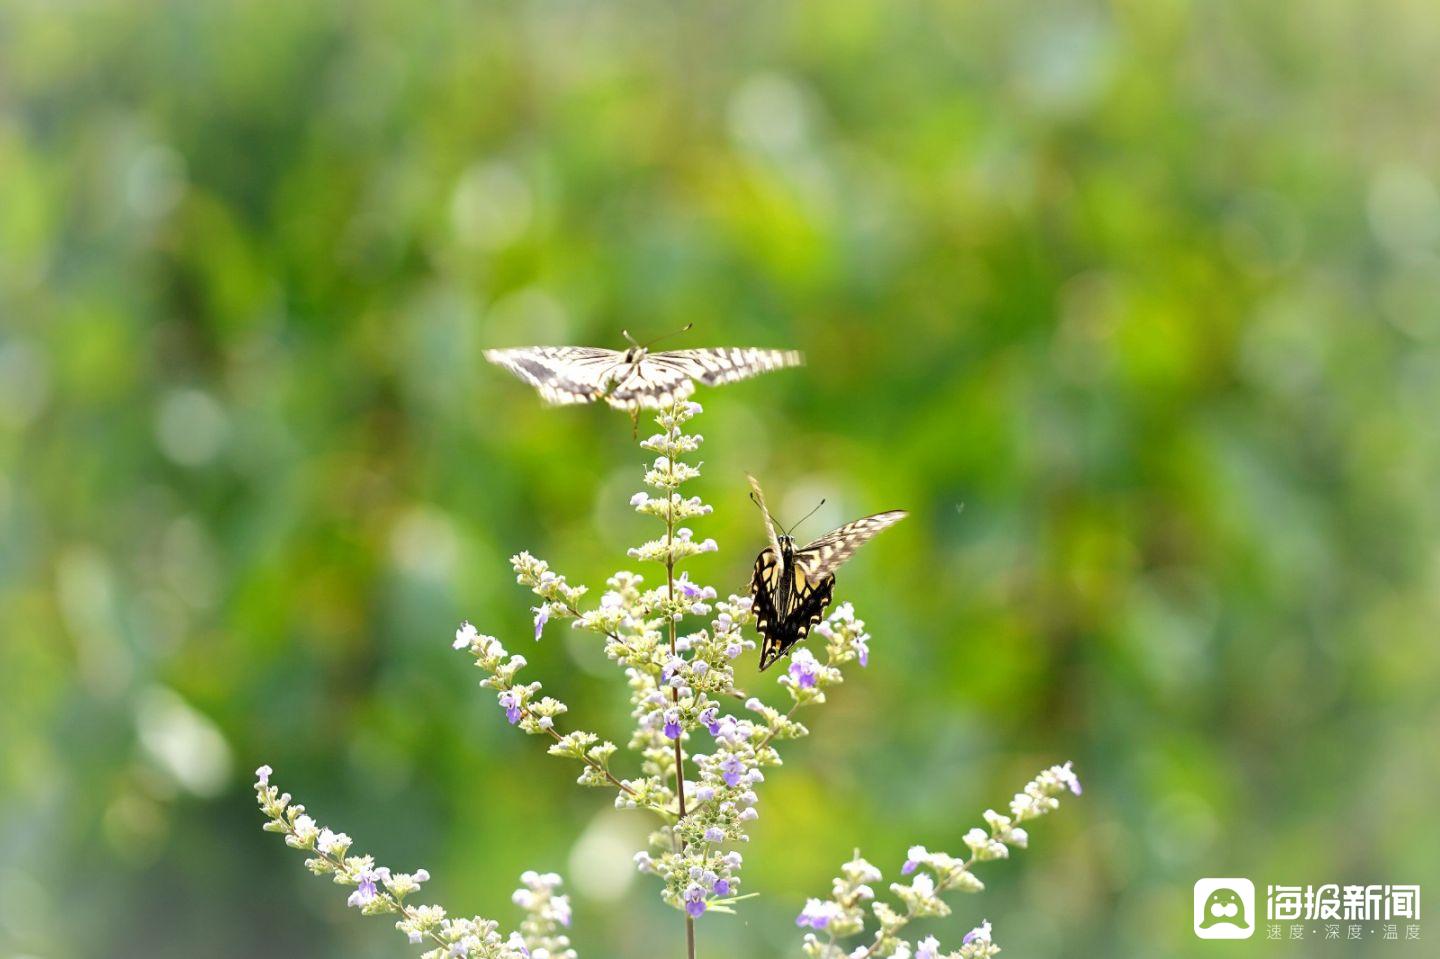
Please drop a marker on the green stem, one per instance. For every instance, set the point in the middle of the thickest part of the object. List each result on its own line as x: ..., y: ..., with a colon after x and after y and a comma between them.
x: 670, y: 494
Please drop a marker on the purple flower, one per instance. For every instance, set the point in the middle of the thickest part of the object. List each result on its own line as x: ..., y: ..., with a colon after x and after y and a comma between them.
x: 928, y: 949
x: 909, y: 867
x: 511, y: 701
x: 714, y: 834
x: 710, y: 719
x: 542, y: 616
x: 365, y: 893
x: 694, y: 901
x: 722, y: 887
x: 672, y: 723
x: 689, y: 590
x: 862, y: 649
x: 804, y: 669
x: 638, y: 499
x: 816, y: 914
x: 262, y: 775
x: 705, y: 793
x: 731, y: 770
x: 980, y: 933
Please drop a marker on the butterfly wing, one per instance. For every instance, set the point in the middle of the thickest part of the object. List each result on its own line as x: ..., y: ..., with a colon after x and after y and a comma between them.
x: 787, y: 603
x: 649, y: 385
x: 765, y: 512
x: 824, y: 556
x: 562, y: 375
x: 727, y: 364
x: 582, y: 374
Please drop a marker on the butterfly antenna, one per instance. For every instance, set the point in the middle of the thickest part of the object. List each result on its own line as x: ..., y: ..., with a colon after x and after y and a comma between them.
x: 808, y: 515
x: 628, y: 337
x: 761, y: 507
x: 665, y: 336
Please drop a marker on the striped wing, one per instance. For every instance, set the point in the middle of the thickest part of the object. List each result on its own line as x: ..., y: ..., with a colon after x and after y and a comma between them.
x: 562, y: 375
x: 649, y: 384
x: 765, y: 512
x: 822, y: 557
x: 726, y: 364
x: 787, y: 604
x: 582, y: 374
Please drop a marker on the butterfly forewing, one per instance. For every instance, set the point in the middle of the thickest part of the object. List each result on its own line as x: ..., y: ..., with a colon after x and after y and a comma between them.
x: 562, y: 374
x: 765, y: 513
x: 727, y: 364
x: 829, y: 551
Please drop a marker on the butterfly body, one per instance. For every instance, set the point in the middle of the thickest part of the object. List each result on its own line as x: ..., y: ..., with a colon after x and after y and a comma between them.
x: 791, y: 587
x: 635, y: 378
x: 786, y: 601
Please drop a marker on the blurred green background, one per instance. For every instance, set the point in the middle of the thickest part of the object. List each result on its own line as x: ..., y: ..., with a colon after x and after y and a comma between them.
x: 1135, y: 306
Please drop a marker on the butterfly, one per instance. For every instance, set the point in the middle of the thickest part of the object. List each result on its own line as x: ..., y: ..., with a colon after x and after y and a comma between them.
x: 636, y: 378
x: 791, y: 587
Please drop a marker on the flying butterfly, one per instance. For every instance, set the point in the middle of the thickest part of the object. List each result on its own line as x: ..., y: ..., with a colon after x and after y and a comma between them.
x: 792, y: 586
x: 636, y: 378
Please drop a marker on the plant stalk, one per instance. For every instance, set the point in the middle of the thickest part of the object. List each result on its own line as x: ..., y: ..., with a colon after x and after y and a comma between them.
x: 675, y: 693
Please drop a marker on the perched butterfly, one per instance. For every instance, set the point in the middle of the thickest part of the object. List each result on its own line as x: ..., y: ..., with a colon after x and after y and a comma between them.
x: 791, y: 587
x: 635, y: 378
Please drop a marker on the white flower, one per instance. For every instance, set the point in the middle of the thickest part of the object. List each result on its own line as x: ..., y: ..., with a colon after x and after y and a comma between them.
x: 332, y: 843
x: 466, y: 636
x: 306, y: 832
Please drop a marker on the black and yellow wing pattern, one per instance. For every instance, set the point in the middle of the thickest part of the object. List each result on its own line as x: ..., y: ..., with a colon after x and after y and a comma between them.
x: 790, y: 588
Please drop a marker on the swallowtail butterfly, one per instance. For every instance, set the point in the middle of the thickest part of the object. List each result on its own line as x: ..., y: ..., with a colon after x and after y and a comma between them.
x: 636, y: 378
x: 791, y: 587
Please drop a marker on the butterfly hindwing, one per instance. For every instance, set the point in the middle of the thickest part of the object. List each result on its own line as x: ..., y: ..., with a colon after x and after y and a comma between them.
x: 787, y: 604
x: 763, y: 584
x: 650, y: 384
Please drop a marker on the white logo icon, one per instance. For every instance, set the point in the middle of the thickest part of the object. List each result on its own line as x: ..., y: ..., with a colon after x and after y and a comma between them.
x: 1224, y: 909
